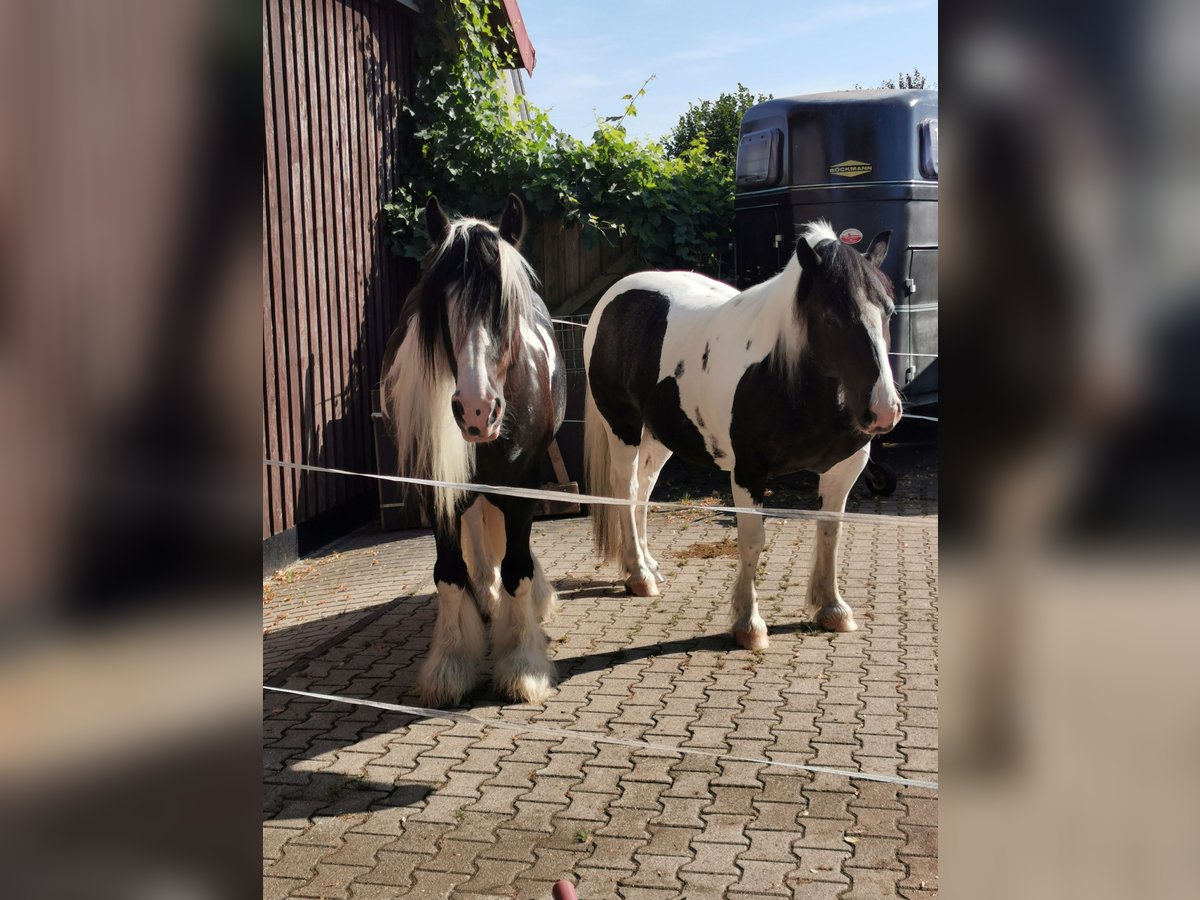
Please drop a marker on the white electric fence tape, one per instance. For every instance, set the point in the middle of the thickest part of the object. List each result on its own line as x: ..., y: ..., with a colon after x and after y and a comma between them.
x: 563, y: 497
x: 596, y: 738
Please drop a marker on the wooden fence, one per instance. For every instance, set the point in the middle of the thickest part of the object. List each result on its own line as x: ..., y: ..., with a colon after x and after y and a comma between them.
x: 334, y: 75
x: 572, y: 277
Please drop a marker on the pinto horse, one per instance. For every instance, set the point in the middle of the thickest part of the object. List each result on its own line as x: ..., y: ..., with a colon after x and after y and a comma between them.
x: 474, y: 389
x: 791, y: 374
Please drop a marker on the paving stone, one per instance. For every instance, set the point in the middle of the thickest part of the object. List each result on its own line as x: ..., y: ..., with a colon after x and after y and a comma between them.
x: 719, y: 858
x: 868, y: 884
x: 769, y: 846
x: 436, y: 884
x: 392, y: 868
x: 359, y: 849
x: 599, y: 882
x: 277, y: 888
x: 331, y: 881
x: 297, y: 861
x: 492, y: 877
x: 877, y: 853
x: 706, y: 885
x: 763, y: 879
x: 921, y: 840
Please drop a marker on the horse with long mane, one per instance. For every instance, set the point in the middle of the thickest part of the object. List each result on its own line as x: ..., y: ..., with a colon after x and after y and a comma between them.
x: 789, y: 375
x: 474, y: 389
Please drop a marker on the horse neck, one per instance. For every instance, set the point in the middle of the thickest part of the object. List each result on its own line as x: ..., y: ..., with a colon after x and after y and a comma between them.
x: 771, y: 319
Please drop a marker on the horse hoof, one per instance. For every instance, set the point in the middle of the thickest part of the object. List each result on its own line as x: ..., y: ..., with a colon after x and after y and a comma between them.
x: 524, y: 678
x: 445, y: 680
x: 528, y: 688
x: 642, y: 587
x: 837, y: 619
x: 659, y: 577
x: 752, y: 638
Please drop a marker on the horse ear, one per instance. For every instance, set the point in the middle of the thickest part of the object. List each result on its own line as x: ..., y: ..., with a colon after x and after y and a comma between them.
x: 877, y: 252
x: 809, y: 260
x: 436, y: 222
x: 512, y: 221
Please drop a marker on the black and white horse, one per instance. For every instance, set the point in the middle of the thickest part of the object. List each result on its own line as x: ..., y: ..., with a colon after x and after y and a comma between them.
x: 791, y: 374
x: 474, y: 389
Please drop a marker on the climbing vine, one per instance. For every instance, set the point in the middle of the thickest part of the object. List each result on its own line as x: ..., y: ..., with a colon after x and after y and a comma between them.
x: 470, y: 148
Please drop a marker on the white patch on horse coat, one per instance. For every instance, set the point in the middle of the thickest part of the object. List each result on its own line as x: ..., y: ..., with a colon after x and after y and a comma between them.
x: 738, y: 329
x: 885, y: 403
x: 474, y: 384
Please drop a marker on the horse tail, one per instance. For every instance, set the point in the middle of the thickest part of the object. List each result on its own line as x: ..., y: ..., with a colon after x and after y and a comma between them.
x: 597, y: 464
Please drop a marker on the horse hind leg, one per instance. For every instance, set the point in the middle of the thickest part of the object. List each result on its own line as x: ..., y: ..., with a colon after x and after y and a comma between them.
x: 651, y: 459
x: 828, y: 608
x: 749, y: 629
x: 640, y: 580
x: 459, y: 644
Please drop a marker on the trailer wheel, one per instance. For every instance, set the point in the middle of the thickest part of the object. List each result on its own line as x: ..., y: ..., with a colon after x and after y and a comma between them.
x: 880, y: 479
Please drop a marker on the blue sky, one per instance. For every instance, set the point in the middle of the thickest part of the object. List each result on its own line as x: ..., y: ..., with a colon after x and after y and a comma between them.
x: 591, y: 52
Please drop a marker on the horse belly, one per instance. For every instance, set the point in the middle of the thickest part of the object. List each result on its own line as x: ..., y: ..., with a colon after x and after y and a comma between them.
x: 677, y: 431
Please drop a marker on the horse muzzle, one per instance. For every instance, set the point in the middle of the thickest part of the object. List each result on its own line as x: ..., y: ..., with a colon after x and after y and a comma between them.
x: 881, y: 418
x: 478, y: 418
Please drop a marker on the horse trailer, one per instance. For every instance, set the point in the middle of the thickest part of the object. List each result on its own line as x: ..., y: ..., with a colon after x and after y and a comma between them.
x: 866, y: 161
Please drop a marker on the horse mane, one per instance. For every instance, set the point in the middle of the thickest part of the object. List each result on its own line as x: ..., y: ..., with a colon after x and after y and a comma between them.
x: 818, y: 232
x: 780, y: 312
x: 472, y: 275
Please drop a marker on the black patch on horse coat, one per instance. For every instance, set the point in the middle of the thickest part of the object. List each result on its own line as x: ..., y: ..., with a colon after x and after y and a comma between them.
x: 623, y: 369
x: 670, y: 424
x: 778, y: 428
x: 749, y: 342
x: 699, y: 418
x: 679, y: 369
x: 717, y: 452
x: 704, y: 359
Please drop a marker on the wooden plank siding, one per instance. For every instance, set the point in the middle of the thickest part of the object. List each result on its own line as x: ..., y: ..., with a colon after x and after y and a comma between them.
x: 335, y: 73
x: 572, y: 277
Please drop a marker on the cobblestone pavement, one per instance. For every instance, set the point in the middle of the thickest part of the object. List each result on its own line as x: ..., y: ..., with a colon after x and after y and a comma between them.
x: 360, y: 802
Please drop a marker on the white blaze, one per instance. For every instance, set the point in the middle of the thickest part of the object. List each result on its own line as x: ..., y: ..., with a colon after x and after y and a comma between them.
x: 885, y: 403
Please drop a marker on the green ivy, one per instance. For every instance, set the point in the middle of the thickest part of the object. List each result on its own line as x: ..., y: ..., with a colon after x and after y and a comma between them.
x: 470, y: 149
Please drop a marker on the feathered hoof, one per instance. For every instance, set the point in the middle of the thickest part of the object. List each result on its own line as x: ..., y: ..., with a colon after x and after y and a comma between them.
x: 525, y: 677
x: 445, y: 681
x: 836, y: 618
x: 752, y: 638
x: 642, y: 587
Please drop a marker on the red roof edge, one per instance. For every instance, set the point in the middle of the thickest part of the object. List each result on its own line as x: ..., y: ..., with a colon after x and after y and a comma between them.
x: 525, y: 51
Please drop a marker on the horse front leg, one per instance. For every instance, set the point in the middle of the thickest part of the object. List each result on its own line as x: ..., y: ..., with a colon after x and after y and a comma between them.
x: 749, y: 629
x: 483, y: 543
x: 459, y: 644
x: 523, y: 671
x: 828, y: 608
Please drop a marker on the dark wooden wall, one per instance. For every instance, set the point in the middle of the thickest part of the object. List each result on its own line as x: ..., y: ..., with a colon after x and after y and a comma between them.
x: 334, y: 75
x: 573, y: 277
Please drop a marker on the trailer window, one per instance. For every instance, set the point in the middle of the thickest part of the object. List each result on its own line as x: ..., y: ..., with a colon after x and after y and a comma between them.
x: 929, y: 148
x: 760, y: 159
